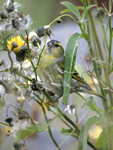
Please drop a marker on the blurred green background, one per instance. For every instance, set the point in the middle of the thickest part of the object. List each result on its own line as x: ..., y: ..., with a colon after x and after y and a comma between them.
x: 42, y: 13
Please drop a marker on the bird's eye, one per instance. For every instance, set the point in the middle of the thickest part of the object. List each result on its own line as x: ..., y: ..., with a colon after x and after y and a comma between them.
x: 56, y: 45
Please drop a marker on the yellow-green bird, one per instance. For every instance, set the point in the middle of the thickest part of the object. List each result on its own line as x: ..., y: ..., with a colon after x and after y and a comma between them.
x: 51, y: 71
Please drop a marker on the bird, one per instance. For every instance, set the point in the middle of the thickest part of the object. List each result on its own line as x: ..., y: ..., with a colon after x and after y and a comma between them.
x: 51, y: 72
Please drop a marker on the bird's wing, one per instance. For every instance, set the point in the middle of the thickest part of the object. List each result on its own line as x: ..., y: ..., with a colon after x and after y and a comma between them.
x: 77, y: 77
x: 75, y: 74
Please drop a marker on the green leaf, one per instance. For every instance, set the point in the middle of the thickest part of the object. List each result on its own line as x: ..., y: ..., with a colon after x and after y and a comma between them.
x: 64, y: 11
x: 69, y: 132
x: 101, y: 142
x: 72, y: 8
x: 34, y: 129
x: 70, y: 57
x: 82, y: 142
x: 68, y: 10
x: 29, y: 131
x: 92, y: 105
x: 84, y: 12
x: 80, y: 7
x: 100, y: 61
x: 85, y: 36
x: 100, y: 23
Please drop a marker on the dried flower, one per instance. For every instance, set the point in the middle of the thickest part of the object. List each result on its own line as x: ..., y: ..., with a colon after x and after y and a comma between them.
x: 12, y: 20
x: 17, y: 45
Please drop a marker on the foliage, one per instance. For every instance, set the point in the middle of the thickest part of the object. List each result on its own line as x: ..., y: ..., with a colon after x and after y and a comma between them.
x: 22, y: 79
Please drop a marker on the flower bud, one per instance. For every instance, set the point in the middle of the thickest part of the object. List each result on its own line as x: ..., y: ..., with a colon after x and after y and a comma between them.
x: 4, y: 15
x: 40, y: 31
x: 35, y: 40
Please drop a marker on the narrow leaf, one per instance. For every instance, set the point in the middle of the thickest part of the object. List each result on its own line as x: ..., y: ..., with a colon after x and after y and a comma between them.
x: 29, y: 131
x: 70, y: 57
x: 82, y: 143
x: 34, y: 129
x: 72, y: 8
x: 85, y: 10
x: 92, y: 105
x: 65, y: 11
x: 85, y: 36
x: 80, y: 8
x: 69, y: 132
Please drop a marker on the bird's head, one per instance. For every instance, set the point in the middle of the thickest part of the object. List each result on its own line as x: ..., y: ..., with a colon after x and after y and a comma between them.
x: 55, y: 48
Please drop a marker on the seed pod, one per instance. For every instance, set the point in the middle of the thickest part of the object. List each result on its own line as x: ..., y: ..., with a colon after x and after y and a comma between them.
x: 10, y: 7
x: 4, y: 15
x: 59, y: 20
x: 23, y: 115
x: 12, y: 1
x: 9, y: 121
x: 2, y: 62
x: 40, y: 31
x: 19, y: 145
x: 15, y: 67
x: 47, y: 30
x: 72, y: 108
x: 15, y: 23
x: 35, y: 40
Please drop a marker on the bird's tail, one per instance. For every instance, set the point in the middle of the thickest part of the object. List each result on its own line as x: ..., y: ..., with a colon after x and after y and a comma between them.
x: 97, y: 94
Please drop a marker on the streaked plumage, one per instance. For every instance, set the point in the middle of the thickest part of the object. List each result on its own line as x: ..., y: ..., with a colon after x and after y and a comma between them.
x: 51, y: 71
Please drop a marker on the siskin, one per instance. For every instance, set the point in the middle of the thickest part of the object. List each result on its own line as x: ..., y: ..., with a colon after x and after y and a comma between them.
x: 51, y: 71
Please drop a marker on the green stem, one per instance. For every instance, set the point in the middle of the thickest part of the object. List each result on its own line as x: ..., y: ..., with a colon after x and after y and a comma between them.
x: 25, y: 77
x: 91, y: 145
x: 91, y: 51
x: 69, y: 120
x: 74, y: 125
x: 42, y: 50
x: 48, y: 96
x: 66, y: 15
x: 10, y: 59
x: 31, y: 60
x: 51, y: 110
x: 110, y: 42
x: 94, y: 32
x: 37, y: 97
x: 4, y: 123
x: 102, y: 20
x: 49, y: 129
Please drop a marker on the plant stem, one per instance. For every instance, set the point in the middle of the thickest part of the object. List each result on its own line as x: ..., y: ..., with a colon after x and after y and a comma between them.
x: 31, y: 59
x: 95, y: 35
x: 25, y: 77
x: 74, y: 125
x: 4, y: 123
x: 10, y: 59
x: 42, y: 50
x: 49, y: 129
x: 66, y: 15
